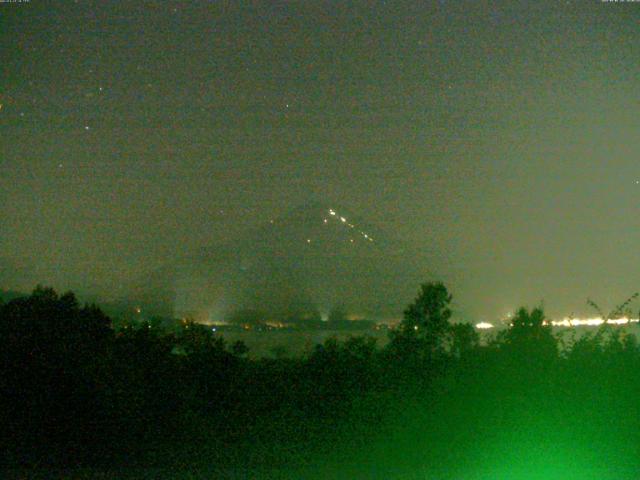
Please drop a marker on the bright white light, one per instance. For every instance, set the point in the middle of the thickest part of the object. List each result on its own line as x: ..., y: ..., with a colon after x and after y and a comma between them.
x: 483, y: 326
x: 592, y: 322
x: 350, y: 225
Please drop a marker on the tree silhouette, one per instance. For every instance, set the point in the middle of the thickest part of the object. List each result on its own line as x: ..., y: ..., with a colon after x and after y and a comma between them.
x: 530, y: 336
x: 425, y: 324
x: 52, y: 356
x: 239, y: 348
x: 463, y: 339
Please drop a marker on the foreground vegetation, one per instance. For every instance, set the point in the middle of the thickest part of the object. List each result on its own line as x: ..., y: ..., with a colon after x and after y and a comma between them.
x: 433, y: 403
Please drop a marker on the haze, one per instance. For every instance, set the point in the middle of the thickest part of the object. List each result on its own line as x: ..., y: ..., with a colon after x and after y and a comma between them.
x: 499, y: 141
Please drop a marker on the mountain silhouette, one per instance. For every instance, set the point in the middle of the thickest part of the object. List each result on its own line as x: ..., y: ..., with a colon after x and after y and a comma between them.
x: 312, y: 258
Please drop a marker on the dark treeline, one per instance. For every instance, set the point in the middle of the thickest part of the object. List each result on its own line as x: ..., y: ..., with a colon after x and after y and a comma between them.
x: 433, y: 403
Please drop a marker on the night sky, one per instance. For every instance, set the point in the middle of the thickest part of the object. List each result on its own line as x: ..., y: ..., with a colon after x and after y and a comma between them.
x: 500, y: 138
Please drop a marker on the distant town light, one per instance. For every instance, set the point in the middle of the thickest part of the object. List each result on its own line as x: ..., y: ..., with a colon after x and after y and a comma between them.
x: 573, y: 322
x: 483, y: 326
x: 592, y: 322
